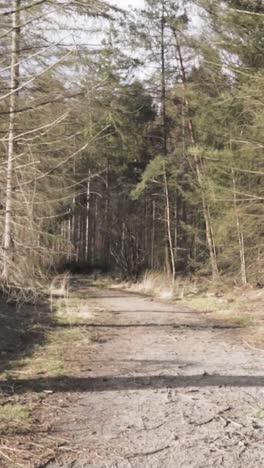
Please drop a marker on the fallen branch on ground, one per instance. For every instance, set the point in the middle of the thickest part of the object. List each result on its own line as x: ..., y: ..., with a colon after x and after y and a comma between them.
x: 147, y: 454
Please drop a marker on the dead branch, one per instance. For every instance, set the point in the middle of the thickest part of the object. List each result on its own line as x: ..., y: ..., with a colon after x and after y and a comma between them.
x: 147, y: 454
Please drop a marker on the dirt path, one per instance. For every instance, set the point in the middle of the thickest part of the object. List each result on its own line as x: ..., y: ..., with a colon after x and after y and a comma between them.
x: 164, y: 387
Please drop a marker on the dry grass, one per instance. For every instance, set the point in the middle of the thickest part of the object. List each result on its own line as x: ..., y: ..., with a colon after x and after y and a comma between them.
x: 243, y: 320
x: 14, y: 418
x: 256, y: 336
x: 29, y: 416
x: 154, y: 283
x: 159, y: 285
x: 59, y: 289
x: 208, y: 304
x: 67, y: 307
x: 72, y: 310
x: 222, y: 309
x: 65, y: 334
x: 52, y: 360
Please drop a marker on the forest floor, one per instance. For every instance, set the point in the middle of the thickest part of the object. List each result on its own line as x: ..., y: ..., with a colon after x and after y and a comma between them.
x: 110, y: 378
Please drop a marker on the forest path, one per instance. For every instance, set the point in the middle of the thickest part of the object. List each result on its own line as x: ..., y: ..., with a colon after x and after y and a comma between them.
x: 163, y: 386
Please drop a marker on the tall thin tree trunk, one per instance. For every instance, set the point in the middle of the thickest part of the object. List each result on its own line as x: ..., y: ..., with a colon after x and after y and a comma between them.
x: 153, y: 234
x: 107, y: 243
x: 176, y: 222
x: 163, y: 82
x: 240, y: 235
x: 73, y: 222
x: 169, y: 253
x: 123, y: 239
x: 78, y: 236
x: 164, y: 127
x: 94, y: 233
x: 14, y: 84
x: 197, y: 168
x: 87, y: 227
x: 145, y: 227
x: 168, y: 222
x: 69, y: 238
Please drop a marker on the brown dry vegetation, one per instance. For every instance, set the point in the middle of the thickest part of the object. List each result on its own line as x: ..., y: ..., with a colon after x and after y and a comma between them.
x: 36, y: 343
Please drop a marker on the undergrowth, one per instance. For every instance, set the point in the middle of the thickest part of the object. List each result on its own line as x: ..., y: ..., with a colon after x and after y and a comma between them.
x: 56, y: 357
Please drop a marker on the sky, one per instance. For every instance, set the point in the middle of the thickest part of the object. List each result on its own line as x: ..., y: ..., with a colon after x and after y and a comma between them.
x: 128, y: 3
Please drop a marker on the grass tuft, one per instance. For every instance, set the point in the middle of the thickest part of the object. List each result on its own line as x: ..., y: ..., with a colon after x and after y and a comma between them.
x: 208, y: 304
x: 240, y: 319
x: 154, y: 283
x: 14, y: 418
x: 260, y: 413
x: 222, y: 310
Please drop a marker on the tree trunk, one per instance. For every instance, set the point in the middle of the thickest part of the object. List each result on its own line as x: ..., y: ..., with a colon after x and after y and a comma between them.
x: 169, y: 254
x: 197, y: 168
x: 94, y: 236
x: 163, y: 82
x: 87, y: 224
x: 176, y: 222
x: 107, y: 242
x: 240, y: 235
x: 153, y: 234
x: 14, y: 84
x: 168, y: 223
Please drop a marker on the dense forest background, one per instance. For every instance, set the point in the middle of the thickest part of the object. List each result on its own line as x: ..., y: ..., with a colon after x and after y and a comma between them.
x: 132, y: 140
